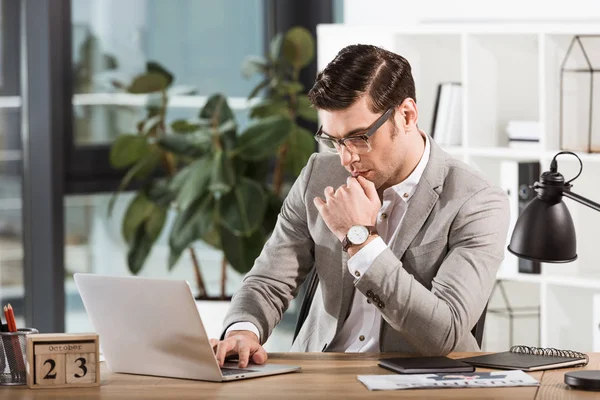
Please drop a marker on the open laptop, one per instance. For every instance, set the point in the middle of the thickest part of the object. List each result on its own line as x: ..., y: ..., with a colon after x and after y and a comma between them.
x: 153, y: 327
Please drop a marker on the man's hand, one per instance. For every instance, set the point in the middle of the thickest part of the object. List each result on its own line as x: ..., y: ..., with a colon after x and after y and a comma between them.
x: 355, y: 203
x: 243, y: 343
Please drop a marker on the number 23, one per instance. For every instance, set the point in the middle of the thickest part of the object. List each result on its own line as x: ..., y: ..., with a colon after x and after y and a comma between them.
x: 52, y: 363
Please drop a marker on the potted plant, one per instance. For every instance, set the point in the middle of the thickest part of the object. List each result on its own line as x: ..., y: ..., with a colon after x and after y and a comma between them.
x: 219, y: 184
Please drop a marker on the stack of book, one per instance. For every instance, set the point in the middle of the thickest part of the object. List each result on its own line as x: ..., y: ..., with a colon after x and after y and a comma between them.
x: 523, y: 134
x: 446, y: 127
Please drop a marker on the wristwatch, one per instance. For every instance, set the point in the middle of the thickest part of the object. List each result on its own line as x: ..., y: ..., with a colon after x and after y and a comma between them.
x: 357, y: 235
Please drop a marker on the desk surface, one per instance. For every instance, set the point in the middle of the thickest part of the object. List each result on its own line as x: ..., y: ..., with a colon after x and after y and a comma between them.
x: 324, y: 375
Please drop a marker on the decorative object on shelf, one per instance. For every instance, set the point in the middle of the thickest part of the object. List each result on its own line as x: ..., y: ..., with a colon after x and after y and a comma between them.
x: 545, y: 232
x: 580, y: 95
x: 219, y: 182
x: 58, y: 360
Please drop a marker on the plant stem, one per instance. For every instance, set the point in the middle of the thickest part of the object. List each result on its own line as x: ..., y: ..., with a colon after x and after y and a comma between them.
x: 223, y: 276
x: 278, y: 173
x: 163, y: 112
x: 199, y: 280
x: 169, y: 162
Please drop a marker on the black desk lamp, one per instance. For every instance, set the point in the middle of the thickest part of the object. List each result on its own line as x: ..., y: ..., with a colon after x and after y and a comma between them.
x: 545, y: 232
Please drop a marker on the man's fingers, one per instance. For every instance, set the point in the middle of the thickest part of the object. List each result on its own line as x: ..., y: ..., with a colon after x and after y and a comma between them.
x: 368, y: 187
x: 214, y: 343
x: 222, y: 349
x: 328, y: 192
x: 243, y: 354
x: 260, y: 356
x: 319, y: 203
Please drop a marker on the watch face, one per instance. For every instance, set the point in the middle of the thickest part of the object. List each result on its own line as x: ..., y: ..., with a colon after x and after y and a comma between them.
x: 358, y: 234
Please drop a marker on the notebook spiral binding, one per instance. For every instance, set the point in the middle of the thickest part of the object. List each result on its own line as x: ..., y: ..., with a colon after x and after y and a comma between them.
x: 549, y: 351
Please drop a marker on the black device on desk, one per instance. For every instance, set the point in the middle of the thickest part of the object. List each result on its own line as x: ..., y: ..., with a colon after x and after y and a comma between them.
x: 424, y: 365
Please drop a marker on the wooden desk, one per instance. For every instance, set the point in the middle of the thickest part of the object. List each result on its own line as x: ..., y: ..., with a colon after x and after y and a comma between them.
x: 324, y: 375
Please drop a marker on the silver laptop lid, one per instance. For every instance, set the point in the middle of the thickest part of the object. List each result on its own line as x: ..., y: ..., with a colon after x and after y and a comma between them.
x: 148, y: 326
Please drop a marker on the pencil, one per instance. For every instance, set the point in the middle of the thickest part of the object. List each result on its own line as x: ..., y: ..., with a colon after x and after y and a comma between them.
x: 12, y: 324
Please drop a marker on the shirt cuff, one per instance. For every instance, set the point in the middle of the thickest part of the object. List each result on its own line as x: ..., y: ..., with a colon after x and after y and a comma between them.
x: 364, y: 258
x: 244, y: 326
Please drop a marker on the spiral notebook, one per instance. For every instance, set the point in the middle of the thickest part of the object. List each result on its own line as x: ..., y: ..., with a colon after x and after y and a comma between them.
x: 529, y: 359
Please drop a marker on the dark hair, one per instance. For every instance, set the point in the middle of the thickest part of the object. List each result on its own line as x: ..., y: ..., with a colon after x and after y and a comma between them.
x: 363, y: 69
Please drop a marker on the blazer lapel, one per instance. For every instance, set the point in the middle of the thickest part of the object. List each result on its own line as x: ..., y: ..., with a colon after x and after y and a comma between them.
x: 423, y: 200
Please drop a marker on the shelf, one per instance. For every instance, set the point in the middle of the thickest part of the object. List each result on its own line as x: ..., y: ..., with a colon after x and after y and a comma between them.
x: 580, y: 280
x: 504, y: 153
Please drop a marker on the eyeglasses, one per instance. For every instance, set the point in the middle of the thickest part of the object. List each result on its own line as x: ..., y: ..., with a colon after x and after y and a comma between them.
x: 357, y: 144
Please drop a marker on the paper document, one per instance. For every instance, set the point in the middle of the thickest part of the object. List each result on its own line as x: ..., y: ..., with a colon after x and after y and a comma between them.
x: 448, y: 380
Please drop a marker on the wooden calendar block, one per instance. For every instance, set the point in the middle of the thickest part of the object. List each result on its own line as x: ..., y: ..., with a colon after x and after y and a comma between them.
x: 81, y: 367
x: 62, y: 360
x: 50, y: 369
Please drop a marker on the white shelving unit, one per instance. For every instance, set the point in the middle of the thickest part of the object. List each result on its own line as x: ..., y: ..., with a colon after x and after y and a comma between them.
x: 509, y: 71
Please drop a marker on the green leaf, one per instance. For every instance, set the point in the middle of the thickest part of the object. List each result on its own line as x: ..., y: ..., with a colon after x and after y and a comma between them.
x: 241, y: 251
x: 154, y: 67
x: 289, y: 87
x: 196, y: 182
x: 190, y: 145
x: 216, y: 108
x: 223, y: 174
x: 213, y: 237
x: 139, y: 209
x: 242, y: 209
x: 190, y: 224
x: 127, y: 149
x: 183, y: 126
x: 155, y: 222
x: 258, y: 88
x: 253, y: 65
x: 268, y: 107
x: 159, y: 192
x: 228, y: 134
x: 298, y: 47
x: 305, y: 109
x: 300, y: 147
x: 140, y: 170
x: 275, y: 46
x: 139, y: 249
x: 148, y: 83
x: 262, y: 139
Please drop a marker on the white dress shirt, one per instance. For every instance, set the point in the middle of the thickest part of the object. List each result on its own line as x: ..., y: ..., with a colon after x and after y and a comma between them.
x: 360, y: 331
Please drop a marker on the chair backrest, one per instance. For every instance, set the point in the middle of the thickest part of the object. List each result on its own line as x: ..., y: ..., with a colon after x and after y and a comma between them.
x: 311, y: 286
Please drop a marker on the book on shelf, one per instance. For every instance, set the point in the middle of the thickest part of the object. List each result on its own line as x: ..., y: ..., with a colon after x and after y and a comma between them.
x: 528, y: 358
x: 523, y: 134
x: 446, y: 126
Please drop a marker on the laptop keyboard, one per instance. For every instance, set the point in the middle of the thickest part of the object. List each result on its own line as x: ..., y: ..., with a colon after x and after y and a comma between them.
x: 234, y: 371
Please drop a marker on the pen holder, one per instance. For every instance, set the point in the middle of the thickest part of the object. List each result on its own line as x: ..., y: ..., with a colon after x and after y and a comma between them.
x: 13, y: 356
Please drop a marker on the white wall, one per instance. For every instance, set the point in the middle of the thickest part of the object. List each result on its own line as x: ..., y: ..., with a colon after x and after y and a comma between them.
x: 394, y: 12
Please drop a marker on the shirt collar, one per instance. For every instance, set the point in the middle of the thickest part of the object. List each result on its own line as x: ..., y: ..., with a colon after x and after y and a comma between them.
x: 406, y: 188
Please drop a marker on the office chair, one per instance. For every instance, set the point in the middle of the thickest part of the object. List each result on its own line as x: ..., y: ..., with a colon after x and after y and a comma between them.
x: 311, y: 286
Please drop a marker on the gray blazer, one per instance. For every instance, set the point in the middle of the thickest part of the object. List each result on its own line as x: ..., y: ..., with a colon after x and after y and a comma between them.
x: 432, y: 283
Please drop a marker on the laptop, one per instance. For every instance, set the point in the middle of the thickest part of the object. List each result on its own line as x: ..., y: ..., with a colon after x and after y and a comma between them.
x: 152, y: 327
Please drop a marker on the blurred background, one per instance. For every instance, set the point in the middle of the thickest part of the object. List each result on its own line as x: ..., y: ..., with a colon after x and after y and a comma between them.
x: 66, y: 95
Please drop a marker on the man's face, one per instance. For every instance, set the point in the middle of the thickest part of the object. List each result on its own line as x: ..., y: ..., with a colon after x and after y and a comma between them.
x: 384, y: 163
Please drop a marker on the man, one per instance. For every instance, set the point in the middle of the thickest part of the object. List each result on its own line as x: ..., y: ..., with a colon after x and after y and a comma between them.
x: 406, y: 240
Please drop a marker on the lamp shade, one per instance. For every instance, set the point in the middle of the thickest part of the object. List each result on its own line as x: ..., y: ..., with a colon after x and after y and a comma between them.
x: 544, y: 232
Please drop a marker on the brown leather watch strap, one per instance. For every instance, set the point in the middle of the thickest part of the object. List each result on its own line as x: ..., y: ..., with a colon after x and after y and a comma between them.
x: 347, y: 243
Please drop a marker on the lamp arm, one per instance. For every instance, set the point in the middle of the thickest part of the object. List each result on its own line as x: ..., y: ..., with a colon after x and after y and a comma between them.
x: 580, y: 199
